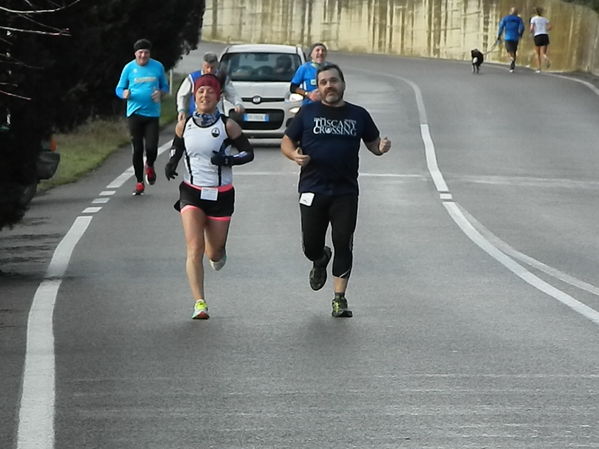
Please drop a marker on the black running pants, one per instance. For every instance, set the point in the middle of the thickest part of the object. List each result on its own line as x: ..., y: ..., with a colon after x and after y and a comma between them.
x: 142, y: 128
x: 341, y: 212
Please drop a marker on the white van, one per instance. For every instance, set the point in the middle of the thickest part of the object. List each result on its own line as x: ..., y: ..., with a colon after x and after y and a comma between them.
x: 261, y: 74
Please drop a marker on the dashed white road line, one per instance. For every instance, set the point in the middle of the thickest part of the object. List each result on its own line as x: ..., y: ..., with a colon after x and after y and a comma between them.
x: 35, y: 428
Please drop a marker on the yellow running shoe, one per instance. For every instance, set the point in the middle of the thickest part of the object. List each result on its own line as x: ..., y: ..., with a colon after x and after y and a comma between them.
x: 200, y: 310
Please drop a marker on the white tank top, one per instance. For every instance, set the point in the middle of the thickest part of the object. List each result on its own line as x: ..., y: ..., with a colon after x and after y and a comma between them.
x: 540, y: 24
x: 199, y: 146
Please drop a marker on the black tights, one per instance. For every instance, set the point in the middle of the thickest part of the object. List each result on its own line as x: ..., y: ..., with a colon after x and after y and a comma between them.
x: 140, y: 128
x: 341, y: 212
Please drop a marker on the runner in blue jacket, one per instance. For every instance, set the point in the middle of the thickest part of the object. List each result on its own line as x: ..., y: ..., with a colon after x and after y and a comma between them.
x: 512, y: 27
x: 304, y: 80
x: 143, y: 83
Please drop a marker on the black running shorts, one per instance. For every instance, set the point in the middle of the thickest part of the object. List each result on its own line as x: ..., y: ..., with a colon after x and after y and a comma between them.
x: 511, y: 46
x: 541, y: 40
x: 221, y: 208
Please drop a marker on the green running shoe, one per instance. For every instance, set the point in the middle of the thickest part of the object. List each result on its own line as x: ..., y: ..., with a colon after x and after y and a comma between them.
x: 318, y: 274
x: 200, y: 310
x: 340, y: 309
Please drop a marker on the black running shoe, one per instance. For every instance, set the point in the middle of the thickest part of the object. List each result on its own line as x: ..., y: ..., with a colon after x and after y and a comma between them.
x: 512, y: 66
x: 318, y: 274
x: 340, y: 309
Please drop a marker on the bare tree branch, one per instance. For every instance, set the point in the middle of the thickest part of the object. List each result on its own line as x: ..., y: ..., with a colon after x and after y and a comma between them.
x: 40, y: 24
x: 38, y: 11
x: 65, y: 32
x: 2, y: 92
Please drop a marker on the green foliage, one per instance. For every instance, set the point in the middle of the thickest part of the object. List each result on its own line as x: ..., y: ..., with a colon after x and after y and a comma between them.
x: 51, y: 79
x: 83, y: 149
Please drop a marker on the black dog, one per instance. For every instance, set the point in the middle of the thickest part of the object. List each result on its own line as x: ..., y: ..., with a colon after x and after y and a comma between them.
x: 477, y: 60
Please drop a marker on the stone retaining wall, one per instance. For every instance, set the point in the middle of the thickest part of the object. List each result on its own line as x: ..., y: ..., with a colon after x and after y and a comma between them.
x: 446, y: 29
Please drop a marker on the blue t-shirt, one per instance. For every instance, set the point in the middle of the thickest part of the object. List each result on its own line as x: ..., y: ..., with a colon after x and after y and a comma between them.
x: 513, y: 27
x: 331, y: 136
x: 305, y: 77
x: 142, y: 80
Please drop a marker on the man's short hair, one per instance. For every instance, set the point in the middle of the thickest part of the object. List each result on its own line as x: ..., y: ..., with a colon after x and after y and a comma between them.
x: 210, y: 58
x: 329, y: 66
x: 142, y: 44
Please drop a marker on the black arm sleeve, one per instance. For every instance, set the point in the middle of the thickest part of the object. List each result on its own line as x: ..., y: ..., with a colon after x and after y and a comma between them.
x: 246, y: 151
x: 177, y: 149
x: 293, y: 87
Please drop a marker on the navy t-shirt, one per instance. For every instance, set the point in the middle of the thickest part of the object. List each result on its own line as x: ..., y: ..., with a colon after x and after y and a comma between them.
x: 331, y: 136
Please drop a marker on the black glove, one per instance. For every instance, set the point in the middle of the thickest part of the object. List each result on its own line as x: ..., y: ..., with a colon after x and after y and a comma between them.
x: 170, y: 170
x: 220, y: 158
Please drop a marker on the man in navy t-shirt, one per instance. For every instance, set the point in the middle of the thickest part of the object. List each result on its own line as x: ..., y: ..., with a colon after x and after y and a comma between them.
x: 324, y: 139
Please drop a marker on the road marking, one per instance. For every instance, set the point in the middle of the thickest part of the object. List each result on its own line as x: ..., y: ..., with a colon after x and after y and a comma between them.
x: 36, y: 409
x: 129, y: 172
x: 506, y: 248
x: 586, y: 83
x: 121, y: 179
x: 35, y: 429
x: 516, y: 268
x: 91, y: 210
x: 468, y: 228
x: 100, y: 200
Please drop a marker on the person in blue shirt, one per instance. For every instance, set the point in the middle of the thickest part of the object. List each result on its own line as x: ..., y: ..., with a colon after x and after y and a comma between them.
x: 142, y: 83
x: 512, y: 27
x: 324, y: 139
x: 304, y: 80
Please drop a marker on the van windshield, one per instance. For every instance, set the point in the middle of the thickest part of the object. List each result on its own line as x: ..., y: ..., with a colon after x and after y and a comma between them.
x: 260, y: 66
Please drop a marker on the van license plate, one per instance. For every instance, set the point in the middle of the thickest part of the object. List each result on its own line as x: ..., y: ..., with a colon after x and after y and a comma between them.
x: 255, y: 117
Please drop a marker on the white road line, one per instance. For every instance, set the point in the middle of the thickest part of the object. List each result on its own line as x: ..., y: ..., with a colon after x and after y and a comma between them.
x: 36, y: 409
x: 91, y: 210
x: 100, y: 200
x: 516, y: 268
x: 586, y: 83
x: 466, y: 226
x: 123, y: 177
x: 506, y: 248
x: 36, y: 412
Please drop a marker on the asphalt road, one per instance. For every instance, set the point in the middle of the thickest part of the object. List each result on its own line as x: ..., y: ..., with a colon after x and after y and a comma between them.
x: 474, y: 289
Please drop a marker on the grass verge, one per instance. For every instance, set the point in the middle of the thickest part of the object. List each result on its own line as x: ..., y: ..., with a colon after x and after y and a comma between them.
x: 85, y: 148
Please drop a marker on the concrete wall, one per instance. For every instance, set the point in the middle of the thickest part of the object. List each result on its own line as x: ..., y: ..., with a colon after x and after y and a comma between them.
x: 446, y: 29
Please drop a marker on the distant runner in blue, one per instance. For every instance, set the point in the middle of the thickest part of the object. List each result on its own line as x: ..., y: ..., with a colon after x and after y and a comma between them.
x: 142, y: 83
x: 304, y: 80
x: 513, y: 28
x: 324, y: 139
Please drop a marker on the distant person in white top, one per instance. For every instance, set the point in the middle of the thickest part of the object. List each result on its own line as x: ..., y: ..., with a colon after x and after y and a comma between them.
x: 185, y: 98
x: 539, y: 27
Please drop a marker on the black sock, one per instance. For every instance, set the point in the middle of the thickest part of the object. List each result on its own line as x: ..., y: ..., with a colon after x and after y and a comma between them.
x: 340, y: 295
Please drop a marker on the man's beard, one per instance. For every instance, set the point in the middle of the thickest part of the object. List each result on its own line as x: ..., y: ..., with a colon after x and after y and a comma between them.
x: 332, y: 97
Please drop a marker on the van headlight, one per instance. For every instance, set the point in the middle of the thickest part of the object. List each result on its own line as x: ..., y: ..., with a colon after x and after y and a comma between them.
x: 295, y: 97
